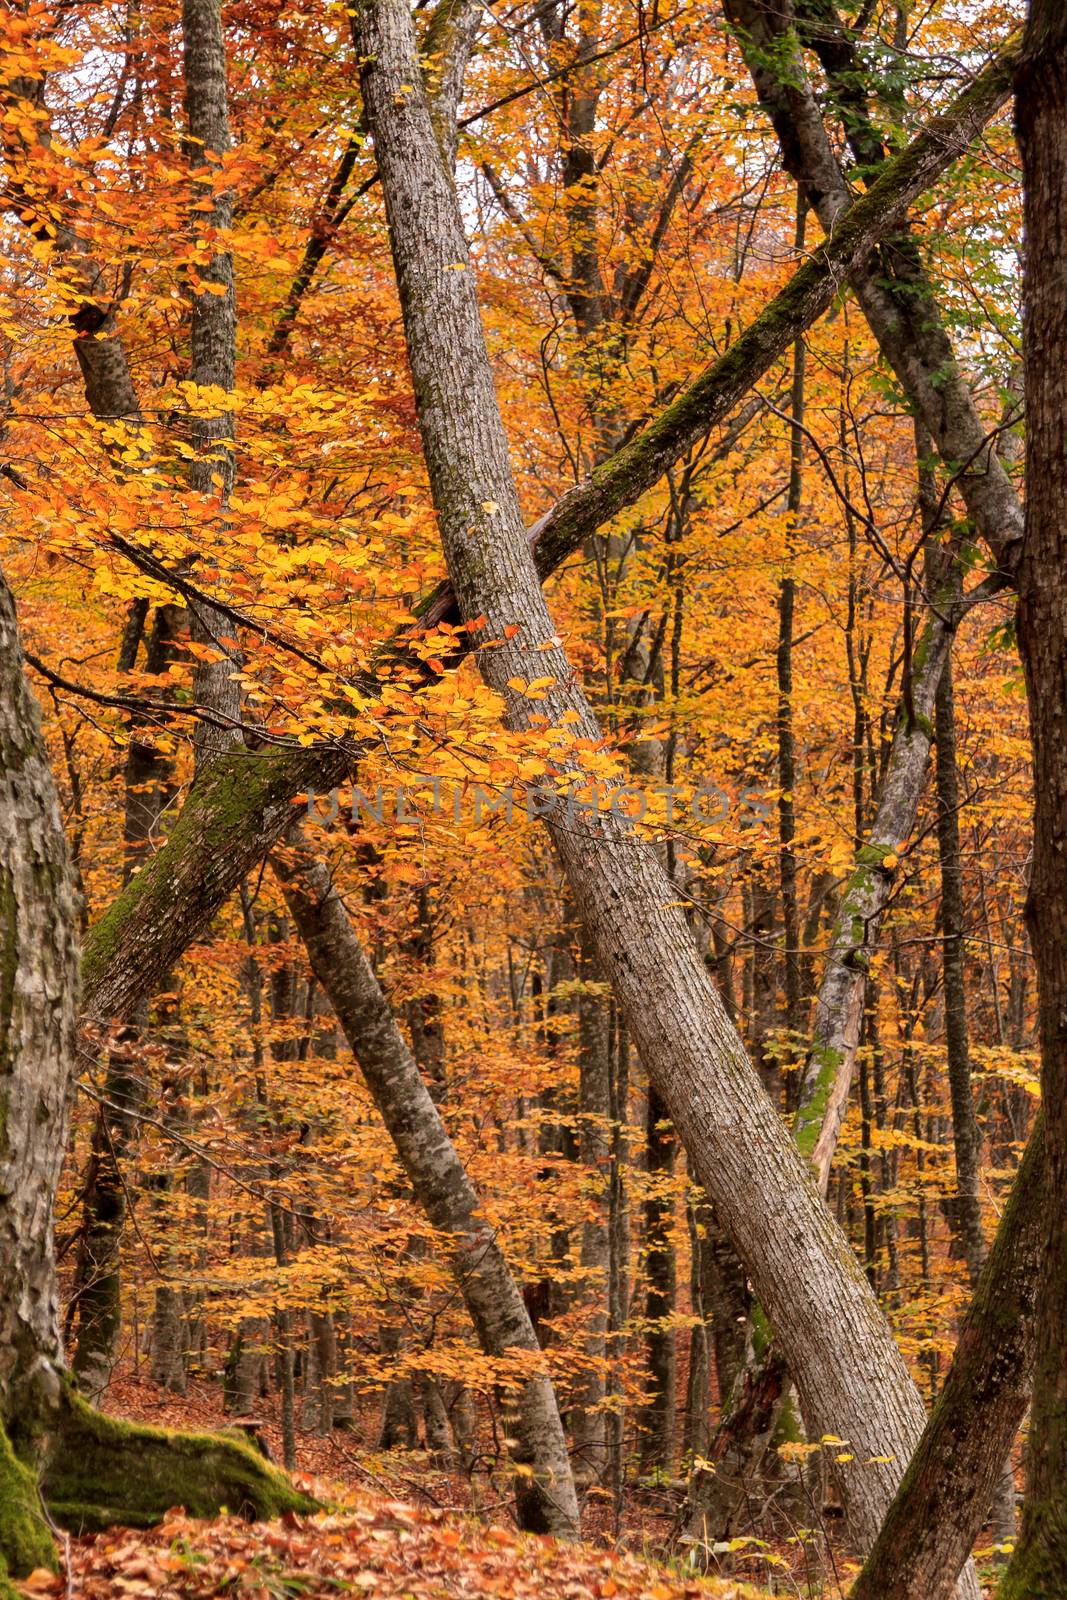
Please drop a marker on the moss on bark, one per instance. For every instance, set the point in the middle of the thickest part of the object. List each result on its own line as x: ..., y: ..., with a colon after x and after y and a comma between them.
x: 25, y: 1538
x: 101, y: 1470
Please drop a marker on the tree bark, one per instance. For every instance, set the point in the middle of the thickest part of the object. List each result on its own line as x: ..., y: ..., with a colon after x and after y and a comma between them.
x: 589, y: 1428
x: 38, y: 1008
x: 1038, y: 1568
x: 946, y: 1490
x: 96, y: 1300
x: 212, y: 346
x: 657, y: 1416
x: 92, y: 1469
x: 965, y: 1206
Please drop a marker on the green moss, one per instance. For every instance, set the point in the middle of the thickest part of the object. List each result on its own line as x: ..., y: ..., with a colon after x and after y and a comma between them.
x: 1038, y: 1568
x: 203, y: 853
x: 827, y: 1061
x: 25, y: 1539
x: 101, y: 1470
x: 761, y: 1332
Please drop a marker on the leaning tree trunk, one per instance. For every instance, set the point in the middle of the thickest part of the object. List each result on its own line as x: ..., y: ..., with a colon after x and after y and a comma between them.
x: 544, y: 1488
x: 852, y: 1377
x: 938, y: 1510
x: 891, y: 283
x: 1038, y: 1569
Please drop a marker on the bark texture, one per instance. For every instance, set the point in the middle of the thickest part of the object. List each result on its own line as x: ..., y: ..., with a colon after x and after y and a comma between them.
x: 38, y: 1009
x: 46, y: 1429
x: 853, y: 1380
x: 945, y: 1495
x: 1038, y: 1569
x: 212, y: 344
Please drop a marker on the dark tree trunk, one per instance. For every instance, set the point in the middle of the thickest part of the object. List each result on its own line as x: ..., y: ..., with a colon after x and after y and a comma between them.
x: 1038, y: 1569
x: 589, y: 1434
x: 96, y: 1299
x: 946, y: 1490
x: 656, y: 1421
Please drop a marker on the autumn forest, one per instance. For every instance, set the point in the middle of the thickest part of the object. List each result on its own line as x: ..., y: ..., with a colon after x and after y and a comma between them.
x: 533, y: 798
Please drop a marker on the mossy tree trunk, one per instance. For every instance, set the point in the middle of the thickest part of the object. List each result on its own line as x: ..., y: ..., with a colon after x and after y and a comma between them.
x: 1038, y: 1569
x: 89, y: 1468
x: 38, y: 1009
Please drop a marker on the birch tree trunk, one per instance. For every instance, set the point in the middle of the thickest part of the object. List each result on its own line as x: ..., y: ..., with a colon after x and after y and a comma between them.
x: 852, y: 1378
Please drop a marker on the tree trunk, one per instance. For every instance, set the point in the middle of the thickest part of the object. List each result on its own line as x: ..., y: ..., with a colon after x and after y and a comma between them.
x: 589, y: 1435
x: 212, y: 348
x: 945, y: 1493
x: 544, y: 1488
x: 656, y: 1421
x: 890, y: 284
x: 38, y: 1008
x: 92, y: 1469
x: 852, y: 1378
x: 1038, y: 1568
x: 96, y: 1299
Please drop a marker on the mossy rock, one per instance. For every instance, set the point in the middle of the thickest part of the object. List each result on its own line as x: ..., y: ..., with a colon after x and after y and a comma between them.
x: 102, y: 1471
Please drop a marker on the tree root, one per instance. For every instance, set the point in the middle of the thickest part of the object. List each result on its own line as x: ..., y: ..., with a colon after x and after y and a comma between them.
x: 25, y: 1537
x: 101, y: 1470
x: 96, y: 1471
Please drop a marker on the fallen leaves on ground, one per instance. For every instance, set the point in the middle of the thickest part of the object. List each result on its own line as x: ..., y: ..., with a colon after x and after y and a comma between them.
x: 380, y: 1548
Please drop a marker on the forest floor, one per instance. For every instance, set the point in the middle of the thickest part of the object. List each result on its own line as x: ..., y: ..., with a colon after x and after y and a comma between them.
x: 402, y: 1529
x: 376, y: 1548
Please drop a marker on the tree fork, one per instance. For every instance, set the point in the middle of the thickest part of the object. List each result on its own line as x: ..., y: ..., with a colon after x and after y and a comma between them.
x: 239, y: 809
